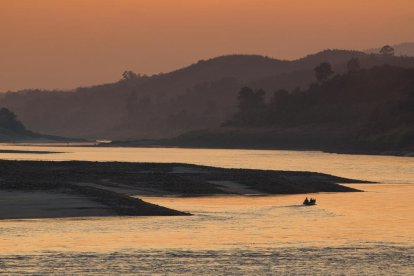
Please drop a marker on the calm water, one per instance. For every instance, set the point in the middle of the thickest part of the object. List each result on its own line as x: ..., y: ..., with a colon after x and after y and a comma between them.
x: 385, y: 169
x: 346, y: 233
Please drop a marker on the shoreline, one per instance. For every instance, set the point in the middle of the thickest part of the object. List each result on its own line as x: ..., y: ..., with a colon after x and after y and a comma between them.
x: 337, y: 151
x: 136, y: 144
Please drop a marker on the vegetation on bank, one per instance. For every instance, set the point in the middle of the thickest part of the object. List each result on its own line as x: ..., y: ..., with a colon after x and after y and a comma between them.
x: 371, y: 109
x: 368, y: 110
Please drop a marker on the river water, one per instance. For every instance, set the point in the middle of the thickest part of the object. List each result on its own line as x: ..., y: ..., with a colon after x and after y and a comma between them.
x: 345, y: 234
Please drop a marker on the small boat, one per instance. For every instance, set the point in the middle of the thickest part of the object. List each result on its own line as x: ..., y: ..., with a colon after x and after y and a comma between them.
x: 309, y: 202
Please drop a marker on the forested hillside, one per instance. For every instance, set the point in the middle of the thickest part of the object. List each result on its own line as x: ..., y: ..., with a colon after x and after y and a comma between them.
x: 202, y: 95
x: 361, y: 110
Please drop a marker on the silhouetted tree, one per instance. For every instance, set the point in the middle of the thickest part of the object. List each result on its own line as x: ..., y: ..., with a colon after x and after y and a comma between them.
x: 296, y: 91
x: 8, y: 120
x: 251, y: 103
x: 129, y: 75
x: 353, y: 65
x: 323, y: 71
x: 387, y: 50
x: 249, y: 99
x: 280, y: 95
x: 376, y: 105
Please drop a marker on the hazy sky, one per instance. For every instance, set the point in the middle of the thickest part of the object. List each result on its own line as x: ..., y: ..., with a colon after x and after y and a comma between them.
x: 68, y: 43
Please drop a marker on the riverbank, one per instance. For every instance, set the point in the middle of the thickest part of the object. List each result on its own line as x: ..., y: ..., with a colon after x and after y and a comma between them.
x: 154, y: 144
x: 158, y: 144
x: 114, y: 188
x: 29, y: 152
x: 325, y: 139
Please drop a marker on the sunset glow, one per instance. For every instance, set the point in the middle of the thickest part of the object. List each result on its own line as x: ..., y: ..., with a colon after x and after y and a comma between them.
x: 65, y: 44
x: 206, y: 137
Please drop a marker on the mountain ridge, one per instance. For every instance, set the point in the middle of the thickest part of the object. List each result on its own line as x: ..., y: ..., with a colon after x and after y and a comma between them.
x: 201, y: 95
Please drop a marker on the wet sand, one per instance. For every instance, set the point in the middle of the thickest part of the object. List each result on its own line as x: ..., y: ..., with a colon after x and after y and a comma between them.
x: 28, y: 152
x: 36, y: 204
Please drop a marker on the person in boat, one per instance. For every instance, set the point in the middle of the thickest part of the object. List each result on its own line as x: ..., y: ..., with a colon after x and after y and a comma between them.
x: 312, y: 201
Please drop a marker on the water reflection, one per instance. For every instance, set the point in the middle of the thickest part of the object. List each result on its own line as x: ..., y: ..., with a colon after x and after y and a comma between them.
x: 375, y: 259
x: 385, y: 169
x: 356, y: 233
x: 384, y: 214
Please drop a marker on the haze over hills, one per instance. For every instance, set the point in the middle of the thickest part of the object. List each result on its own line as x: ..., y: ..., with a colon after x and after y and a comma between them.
x: 402, y: 49
x: 202, y: 95
x: 12, y: 130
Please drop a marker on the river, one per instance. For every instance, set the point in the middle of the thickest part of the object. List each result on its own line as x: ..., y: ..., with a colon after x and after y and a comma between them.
x: 345, y: 234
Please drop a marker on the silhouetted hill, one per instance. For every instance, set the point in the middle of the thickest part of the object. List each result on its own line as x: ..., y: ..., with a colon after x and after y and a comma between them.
x: 10, y: 127
x: 202, y: 95
x: 12, y: 130
x: 368, y: 110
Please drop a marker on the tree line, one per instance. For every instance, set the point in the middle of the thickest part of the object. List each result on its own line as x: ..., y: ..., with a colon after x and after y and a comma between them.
x: 376, y: 105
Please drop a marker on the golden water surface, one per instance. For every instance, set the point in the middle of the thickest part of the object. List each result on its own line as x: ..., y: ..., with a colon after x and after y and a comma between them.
x: 370, y: 232
x: 385, y: 169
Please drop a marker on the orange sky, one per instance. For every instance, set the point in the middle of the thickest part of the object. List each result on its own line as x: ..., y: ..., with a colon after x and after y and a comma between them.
x: 67, y: 43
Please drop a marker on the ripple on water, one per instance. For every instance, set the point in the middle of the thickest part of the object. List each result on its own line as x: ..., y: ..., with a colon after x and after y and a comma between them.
x: 376, y: 259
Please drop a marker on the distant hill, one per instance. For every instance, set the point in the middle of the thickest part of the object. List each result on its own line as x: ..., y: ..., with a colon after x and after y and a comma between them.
x: 202, y: 95
x: 10, y: 127
x: 402, y: 49
x: 12, y: 130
